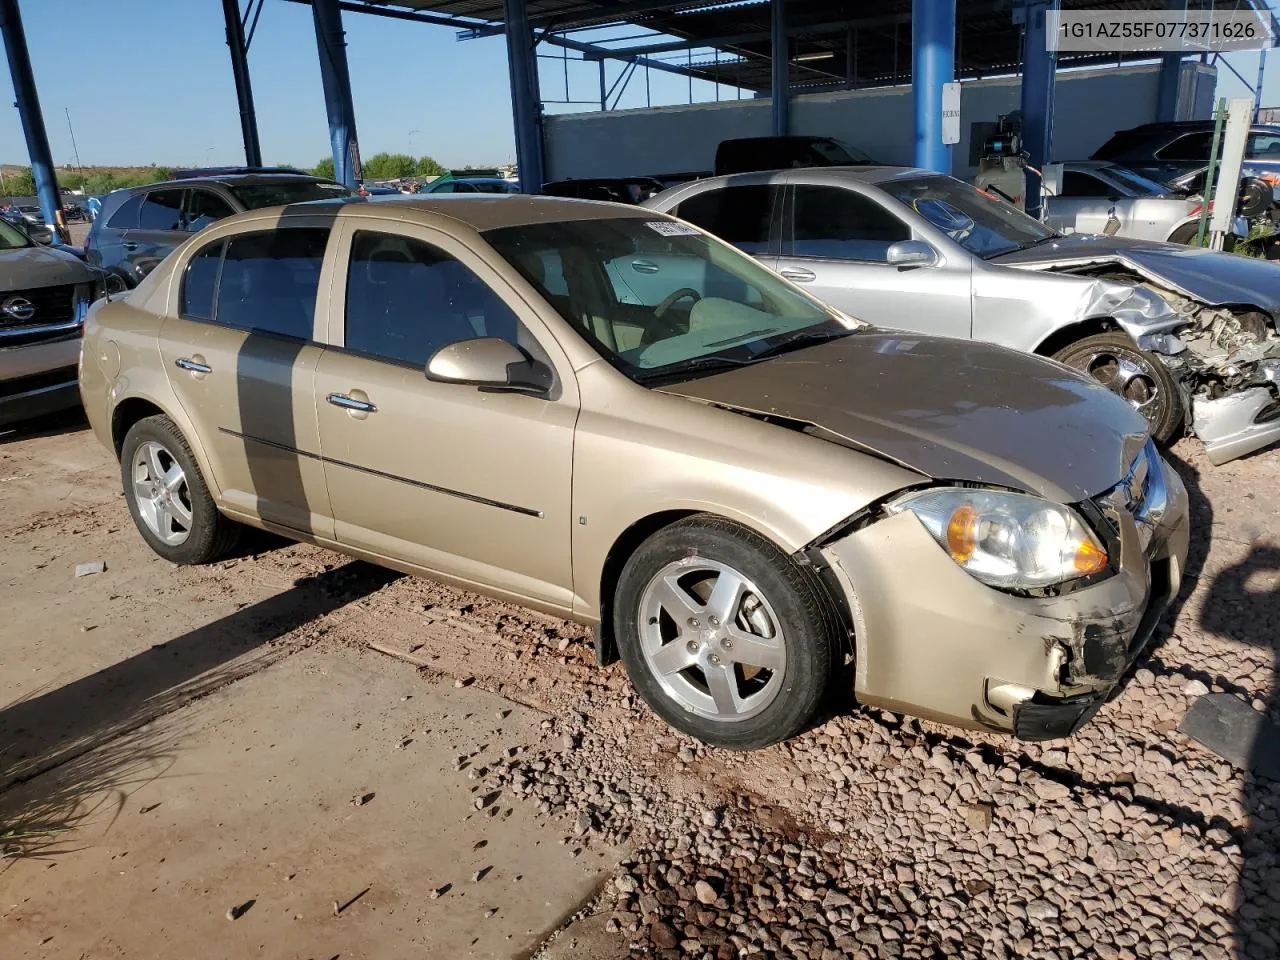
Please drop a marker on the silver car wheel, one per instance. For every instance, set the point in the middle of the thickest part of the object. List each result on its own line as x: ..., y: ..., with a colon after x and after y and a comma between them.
x: 712, y: 640
x: 1129, y: 377
x: 160, y: 493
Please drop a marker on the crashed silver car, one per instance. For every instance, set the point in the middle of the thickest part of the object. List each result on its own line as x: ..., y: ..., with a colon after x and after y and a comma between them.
x: 1186, y: 336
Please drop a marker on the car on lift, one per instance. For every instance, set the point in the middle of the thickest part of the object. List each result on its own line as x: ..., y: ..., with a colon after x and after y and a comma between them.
x: 137, y: 227
x: 1099, y: 197
x: 1184, y: 335
x: 44, y: 293
x: 744, y: 490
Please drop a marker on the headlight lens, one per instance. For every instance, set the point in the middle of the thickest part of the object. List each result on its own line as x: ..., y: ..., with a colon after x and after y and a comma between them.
x: 1008, y: 540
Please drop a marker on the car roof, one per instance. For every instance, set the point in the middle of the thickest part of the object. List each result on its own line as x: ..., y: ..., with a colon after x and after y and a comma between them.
x: 227, y: 179
x: 481, y: 212
x: 872, y: 174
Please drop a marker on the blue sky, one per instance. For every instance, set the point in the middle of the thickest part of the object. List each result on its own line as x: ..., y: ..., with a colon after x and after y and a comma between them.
x: 149, y: 81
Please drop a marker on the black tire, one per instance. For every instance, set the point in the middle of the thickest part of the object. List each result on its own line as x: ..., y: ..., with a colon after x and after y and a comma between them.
x: 1185, y: 235
x: 803, y: 611
x: 1155, y: 389
x: 211, y: 535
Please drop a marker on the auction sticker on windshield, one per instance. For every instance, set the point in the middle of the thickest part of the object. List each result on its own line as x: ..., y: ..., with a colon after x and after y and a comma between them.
x: 669, y: 228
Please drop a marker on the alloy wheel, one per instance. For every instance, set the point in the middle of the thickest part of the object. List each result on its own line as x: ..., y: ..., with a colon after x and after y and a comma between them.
x: 161, y: 494
x: 711, y: 639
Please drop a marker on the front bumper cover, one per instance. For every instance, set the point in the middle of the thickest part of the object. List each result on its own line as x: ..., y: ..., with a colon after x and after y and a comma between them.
x: 931, y: 641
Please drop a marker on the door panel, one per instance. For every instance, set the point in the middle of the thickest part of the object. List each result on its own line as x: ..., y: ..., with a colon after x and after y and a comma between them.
x: 255, y: 413
x: 159, y: 230
x: 934, y: 300
x: 472, y: 485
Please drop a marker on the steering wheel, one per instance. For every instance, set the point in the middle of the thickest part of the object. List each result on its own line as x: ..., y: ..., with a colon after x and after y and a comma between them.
x: 672, y: 297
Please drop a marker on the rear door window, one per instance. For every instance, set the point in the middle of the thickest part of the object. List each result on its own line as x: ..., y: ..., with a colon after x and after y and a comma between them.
x: 203, y: 208
x: 269, y: 281
x: 200, y: 282
x: 738, y: 215
x: 1264, y: 146
x: 126, y: 216
x: 832, y: 223
x: 161, y: 210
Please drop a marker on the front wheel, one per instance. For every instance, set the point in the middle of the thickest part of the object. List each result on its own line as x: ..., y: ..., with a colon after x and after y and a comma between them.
x: 1135, y: 376
x: 725, y: 637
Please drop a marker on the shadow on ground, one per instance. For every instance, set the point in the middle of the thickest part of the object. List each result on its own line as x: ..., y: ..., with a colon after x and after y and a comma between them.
x: 64, y: 421
x: 51, y: 728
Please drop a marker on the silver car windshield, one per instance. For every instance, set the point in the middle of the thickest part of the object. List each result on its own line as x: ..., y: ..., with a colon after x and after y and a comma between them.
x: 1136, y: 182
x: 980, y: 222
x: 659, y: 299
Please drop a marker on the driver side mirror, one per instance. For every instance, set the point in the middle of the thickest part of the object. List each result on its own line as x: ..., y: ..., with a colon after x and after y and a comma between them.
x: 911, y: 253
x: 490, y: 363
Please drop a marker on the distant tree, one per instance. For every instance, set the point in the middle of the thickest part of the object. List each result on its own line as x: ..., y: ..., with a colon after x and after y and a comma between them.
x: 428, y: 167
x: 161, y: 173
x: 324, y: 168
x: 100, y: 182
x: 71, y: 179
x: 20, y: 184
x: 388, y: 166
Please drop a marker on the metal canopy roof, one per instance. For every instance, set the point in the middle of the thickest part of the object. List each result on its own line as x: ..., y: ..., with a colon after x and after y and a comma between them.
x: 834, y: 43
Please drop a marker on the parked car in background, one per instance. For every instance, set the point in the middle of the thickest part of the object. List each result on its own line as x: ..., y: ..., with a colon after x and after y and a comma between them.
x: 1095, y: 196
x: 44, y: 293
x: 728, y: 477
x: 615, y: 190
x: 751, y: 154
x: 1165, y: 151
x: 470, y: 185
x: 139, y: 226
x: 33, y: 227
x: 1181, y: 334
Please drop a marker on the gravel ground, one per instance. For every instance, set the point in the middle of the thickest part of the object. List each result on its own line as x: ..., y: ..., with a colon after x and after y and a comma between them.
x: 880, y: 836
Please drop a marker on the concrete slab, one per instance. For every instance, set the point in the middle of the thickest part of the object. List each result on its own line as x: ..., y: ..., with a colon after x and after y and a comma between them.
x: 328, y: 779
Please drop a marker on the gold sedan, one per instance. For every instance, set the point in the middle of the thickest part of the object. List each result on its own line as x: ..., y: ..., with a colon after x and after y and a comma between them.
x: 609, y: 415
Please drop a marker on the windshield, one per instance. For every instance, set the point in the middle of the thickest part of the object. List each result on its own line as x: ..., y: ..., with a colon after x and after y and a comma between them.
x: 254, y: 196
x: 1136, y: 181
x: 11, y: 238
x: 980, y: 222
x: 660, y: 300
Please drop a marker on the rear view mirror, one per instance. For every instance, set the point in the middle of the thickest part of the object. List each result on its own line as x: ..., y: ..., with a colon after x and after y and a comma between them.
x: 911, y: 253
x: 489, y: 363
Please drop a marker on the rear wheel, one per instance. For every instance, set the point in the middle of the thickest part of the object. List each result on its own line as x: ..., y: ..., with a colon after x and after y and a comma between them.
x: 1135, y: 376
x: 1185, y: 234
x: 725, y: 637
x: 168, y: 498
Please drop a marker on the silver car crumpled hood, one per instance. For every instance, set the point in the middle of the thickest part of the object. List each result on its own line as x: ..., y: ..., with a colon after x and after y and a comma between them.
x: 29, y: 267
x: 1206, y: 275
x: 949, y: 409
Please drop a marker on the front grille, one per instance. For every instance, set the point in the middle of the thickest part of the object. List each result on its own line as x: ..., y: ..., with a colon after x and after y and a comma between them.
x: 46, y: 306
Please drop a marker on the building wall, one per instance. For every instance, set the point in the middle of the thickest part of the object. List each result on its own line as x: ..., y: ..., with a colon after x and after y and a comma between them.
x: 1089, y: 106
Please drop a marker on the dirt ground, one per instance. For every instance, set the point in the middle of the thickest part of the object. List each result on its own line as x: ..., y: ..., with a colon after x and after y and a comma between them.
x: 358, y: 764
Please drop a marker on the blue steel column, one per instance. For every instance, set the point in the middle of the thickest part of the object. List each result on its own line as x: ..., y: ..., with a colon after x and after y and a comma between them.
x: 933, y: 63
x: 244, y: 90
x: 24, y: 91
x: 331, y: 42
x: 781, y: 53
x: 1170, y: 73
x: 1039, y: 70
x: 526, y: 101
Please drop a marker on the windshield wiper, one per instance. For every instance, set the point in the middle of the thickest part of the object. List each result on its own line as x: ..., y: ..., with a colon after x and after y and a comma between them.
x: 798, y: 339
x: 678, y: 371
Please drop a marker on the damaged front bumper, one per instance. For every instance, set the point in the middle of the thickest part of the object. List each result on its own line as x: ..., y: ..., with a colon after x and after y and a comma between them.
x: 932, y: 641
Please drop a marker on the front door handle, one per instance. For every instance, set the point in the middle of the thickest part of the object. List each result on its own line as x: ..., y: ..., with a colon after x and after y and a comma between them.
x: 351, y: 403
x: 798, y: 274
x: 195, y: 366
x: 129, y: 245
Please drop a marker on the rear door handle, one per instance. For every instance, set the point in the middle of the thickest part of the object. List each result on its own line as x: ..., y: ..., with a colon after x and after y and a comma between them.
x: 351, y: 403
x: 644, y: 266
x: 798, y: 274
x: 195, y: 366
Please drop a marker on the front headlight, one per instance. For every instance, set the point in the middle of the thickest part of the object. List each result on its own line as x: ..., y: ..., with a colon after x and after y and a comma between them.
x: 1012, y: 541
